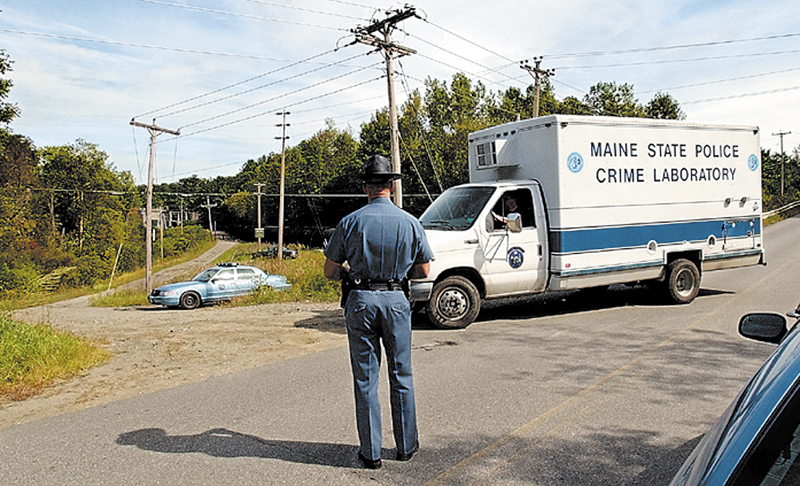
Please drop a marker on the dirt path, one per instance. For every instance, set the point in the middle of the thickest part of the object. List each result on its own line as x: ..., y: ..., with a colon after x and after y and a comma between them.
x: 155, y: 348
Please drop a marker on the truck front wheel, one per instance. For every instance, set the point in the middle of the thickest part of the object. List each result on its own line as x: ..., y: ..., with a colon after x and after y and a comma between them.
x: 683, y: 281
x: 454, y: 303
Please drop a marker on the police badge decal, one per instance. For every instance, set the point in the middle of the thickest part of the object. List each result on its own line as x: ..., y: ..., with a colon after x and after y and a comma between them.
x: 516, y: 257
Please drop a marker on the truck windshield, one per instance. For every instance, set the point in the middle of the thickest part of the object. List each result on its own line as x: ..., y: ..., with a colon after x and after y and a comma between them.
x: 456, y: 209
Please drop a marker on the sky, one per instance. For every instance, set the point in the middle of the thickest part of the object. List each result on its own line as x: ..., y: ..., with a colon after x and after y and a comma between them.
x: 221, y: 71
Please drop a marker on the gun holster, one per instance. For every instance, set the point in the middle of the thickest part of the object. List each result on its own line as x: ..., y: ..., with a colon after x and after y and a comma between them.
x: 347, y: 286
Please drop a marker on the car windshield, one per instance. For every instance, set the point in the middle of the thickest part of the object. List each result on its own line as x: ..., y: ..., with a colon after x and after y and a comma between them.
x: 456, y: 209
x: 205, y: 275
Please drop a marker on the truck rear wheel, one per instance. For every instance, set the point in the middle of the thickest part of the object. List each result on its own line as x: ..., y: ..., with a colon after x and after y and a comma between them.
x: 454, y: 303
x: 683, y: 281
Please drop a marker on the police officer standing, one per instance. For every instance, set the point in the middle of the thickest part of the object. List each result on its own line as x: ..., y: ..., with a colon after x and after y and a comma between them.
x: 382, y: 245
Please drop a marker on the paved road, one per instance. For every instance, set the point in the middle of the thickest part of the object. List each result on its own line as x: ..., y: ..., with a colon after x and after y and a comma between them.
x: 564, y: 391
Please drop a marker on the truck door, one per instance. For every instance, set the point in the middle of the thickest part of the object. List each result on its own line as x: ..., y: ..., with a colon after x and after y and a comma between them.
x: 515, y: 262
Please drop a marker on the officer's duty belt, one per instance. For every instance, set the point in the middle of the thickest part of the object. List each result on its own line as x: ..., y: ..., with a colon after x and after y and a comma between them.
x: 384, y: 285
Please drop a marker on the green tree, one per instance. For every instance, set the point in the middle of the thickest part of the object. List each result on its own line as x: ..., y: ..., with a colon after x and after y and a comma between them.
x: 664, y: 106
x: 88, y: 205
x: 8, y: 111
x: 573, y: 106
x: 611, y: 99
x: 780, y: 179
x: 18, y: 215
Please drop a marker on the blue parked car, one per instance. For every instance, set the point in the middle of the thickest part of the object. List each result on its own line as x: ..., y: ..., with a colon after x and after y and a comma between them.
x: 756, y: 441
x: 222, y: 282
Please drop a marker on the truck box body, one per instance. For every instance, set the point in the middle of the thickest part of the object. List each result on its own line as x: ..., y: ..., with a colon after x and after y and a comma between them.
x: 622, y: 193
x: 613, y: 200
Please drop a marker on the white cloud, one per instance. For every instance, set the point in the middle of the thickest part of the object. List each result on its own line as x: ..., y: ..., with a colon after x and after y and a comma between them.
x: 70, y: 89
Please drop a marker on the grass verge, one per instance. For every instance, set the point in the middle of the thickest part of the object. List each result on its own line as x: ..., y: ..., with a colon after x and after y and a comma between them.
x: 120, y: 298
x: 304, y: 273
x: 33, y: 356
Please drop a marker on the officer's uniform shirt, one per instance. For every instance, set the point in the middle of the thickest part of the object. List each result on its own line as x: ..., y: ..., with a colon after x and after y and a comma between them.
x: 379, y: 241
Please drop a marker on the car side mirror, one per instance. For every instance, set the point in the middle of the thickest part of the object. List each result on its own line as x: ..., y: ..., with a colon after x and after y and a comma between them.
x: 514, y: 223
x: 763, y: 326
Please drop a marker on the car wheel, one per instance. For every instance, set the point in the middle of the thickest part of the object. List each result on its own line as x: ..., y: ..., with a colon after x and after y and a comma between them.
x: 190, y: 300
x: 683, y: 281
x: 454, y: 303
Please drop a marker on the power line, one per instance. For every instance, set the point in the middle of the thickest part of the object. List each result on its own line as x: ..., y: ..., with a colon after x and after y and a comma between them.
x: 742, y: 95
x: 307, y: 87
x: 256, y: 17
x: 219, y: 90
x: 143, y: 46
x: 224, y: 98
x: 287, y: 106
x: 668, y: 48
x: 671, y: 61
x: 487, y: 68
x: 349, y: 3
x: 739, y: 78
x: 468, y: 41
x: 301, y: 9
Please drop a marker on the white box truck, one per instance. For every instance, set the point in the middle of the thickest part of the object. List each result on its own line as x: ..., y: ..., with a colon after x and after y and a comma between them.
x: 568, y: 202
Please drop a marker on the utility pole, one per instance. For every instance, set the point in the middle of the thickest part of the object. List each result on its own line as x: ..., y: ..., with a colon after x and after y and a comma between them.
x: 283, y: 138
x: 783, y: 156
x: 259, y: 229
x: 364, y: 35
x: 208, y: 206
x: 537, y: 73
x: 154, y: 131
x: 182, y: 215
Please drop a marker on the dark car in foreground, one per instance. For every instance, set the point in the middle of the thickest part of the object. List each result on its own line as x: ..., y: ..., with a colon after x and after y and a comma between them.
x: 222, y: 282
x: 756, y: 441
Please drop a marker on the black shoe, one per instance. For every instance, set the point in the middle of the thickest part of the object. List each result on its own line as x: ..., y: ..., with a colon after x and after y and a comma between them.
x: 369, y: 463
x: 409, y: 455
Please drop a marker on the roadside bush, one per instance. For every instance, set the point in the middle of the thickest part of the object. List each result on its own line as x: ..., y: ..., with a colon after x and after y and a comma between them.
x: 317, y: 287
x: 19, y: 279
x: 89, y: 270
x: 180, y: 240
x: 33, y: 356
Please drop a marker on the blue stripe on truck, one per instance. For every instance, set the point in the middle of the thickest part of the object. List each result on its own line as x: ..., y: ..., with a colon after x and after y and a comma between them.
x: 598, y: 239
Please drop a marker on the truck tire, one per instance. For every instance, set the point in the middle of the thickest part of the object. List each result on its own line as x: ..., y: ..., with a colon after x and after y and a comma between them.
x: 454, y: 303
x: 683, y: 281
x: 190, y: 300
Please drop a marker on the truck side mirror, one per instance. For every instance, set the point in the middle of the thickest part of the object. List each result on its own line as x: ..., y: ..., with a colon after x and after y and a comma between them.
x: 514, y: 223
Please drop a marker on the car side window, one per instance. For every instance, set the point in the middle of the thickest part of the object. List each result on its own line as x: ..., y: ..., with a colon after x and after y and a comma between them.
x: 227, y: 274
x: 246, y: 274
x: 776, y: 459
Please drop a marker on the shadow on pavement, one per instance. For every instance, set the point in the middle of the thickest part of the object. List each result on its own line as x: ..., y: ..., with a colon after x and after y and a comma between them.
x: 331, y: 321
x: 565, y: 302
x: 225, y: 443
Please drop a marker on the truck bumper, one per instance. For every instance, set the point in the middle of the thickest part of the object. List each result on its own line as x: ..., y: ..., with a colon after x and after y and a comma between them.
x: 420, y: 291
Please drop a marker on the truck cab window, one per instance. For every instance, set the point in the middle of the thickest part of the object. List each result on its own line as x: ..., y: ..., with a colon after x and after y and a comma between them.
x: 517, y: 201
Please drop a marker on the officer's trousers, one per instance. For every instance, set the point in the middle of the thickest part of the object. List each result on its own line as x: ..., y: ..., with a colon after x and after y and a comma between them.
x: 373, y: 316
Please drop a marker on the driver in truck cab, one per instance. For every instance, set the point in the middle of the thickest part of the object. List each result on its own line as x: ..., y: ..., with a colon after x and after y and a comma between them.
x: 511, y: 202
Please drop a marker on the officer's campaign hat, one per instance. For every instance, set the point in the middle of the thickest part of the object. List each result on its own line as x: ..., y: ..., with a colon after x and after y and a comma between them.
x: 378, y: 169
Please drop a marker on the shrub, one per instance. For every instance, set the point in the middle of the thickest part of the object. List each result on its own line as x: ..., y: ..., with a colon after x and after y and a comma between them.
x: 33, y: 356
x: 20, y: 279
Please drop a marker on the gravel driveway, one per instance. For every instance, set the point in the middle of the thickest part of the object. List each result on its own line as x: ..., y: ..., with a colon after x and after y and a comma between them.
x: 155, y: 348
